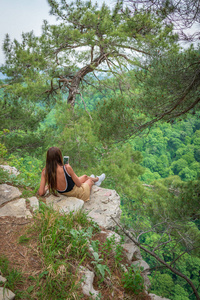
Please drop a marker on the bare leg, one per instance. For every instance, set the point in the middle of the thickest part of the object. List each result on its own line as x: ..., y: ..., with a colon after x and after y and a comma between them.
x: 89, y: 180
x: 84, y: 178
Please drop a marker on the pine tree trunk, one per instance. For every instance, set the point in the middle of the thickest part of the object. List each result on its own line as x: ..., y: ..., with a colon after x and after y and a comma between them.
x: 74, y: 87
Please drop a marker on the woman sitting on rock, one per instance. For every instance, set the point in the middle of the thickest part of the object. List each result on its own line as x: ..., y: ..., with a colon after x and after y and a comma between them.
x: 62, y: 179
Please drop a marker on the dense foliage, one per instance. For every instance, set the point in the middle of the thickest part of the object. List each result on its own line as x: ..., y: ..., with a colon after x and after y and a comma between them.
x: 140, y: 171
x: 156, y: 173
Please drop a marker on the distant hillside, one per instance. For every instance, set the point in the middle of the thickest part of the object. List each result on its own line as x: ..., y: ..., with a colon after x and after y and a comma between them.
x: 2, y: 76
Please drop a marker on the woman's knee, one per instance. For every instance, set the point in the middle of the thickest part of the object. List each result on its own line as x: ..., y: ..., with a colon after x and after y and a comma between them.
x: 83, y: 178
x: 90, y: 182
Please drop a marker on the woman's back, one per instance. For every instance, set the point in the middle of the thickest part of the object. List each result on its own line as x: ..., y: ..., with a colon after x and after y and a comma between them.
x: 61, y: 181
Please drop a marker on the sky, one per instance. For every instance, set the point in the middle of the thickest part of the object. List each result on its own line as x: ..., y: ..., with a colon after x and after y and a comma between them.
x: 17, y: 16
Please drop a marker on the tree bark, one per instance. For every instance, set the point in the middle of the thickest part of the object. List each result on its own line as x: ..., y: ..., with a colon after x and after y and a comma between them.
x: 74, y: 86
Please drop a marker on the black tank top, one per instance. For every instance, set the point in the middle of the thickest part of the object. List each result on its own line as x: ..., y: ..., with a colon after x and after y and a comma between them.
x: 69, y: 182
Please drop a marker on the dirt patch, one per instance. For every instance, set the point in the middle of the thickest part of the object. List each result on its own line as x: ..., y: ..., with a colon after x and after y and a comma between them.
x: 23, y: 257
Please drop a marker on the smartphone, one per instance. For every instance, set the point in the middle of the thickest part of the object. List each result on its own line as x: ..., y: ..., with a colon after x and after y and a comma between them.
x: 66, y: 160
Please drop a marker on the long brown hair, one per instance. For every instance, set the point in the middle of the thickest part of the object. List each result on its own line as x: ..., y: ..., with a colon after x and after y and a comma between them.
x: 54, y: 158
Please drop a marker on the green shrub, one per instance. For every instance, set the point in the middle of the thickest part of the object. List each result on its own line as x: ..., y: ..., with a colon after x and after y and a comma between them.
x: 132, y: 280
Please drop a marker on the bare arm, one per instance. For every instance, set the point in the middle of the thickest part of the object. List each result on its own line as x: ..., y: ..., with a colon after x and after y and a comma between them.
x: 73, y: 175
x: 43, y: 188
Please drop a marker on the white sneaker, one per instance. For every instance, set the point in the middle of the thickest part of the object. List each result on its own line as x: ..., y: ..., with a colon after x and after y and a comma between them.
x: 101, y: 178
x: 92, y: 176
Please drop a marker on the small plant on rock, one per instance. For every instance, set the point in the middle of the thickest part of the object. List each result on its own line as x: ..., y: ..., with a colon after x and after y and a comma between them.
x: 99, y: 268
x: 133, y: 280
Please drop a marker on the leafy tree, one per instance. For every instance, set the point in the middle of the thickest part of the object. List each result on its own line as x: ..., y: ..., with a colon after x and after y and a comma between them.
x: 150, y: 162
x: 162, y: 284
x: 187, y: 174
x: 170, y: 82
x: 178, y: 165
x: 166, y: 225
x: 182, y: 13
x: 149, y: 176
x: 180, y: 293
x: 20, y: 117
x: 196, y: 141
x: 165, y: 148
x: 102, y: 37
x: 170, y: 86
